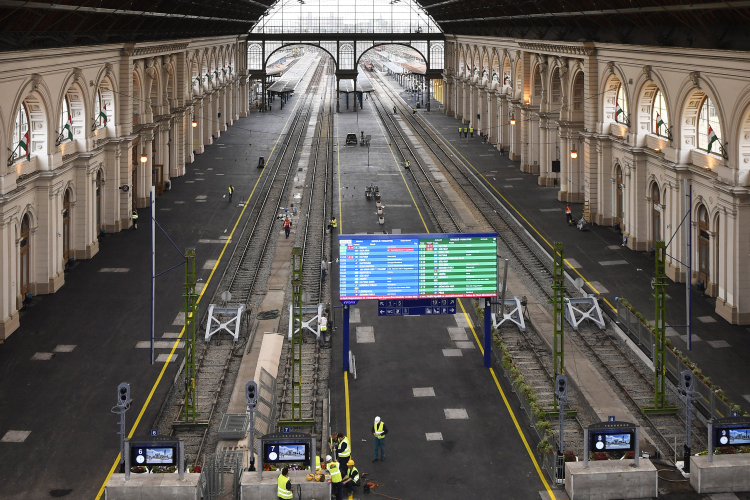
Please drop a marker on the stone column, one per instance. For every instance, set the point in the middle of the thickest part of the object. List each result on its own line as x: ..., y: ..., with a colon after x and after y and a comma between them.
x: 9, y: 249
x: 143, y: 176
x: 198, y: 132
x: 208, y: 123
x: 547, y: 132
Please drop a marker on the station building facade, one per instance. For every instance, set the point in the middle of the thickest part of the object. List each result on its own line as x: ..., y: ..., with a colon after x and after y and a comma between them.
x: 620, y: 128
x: 76, y: 125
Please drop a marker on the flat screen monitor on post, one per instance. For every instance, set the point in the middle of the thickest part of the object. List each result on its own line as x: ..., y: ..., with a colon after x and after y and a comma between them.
x: 731, y: 435
x: 157, y: 454
x: 417, y: 266
x: 612, y: 440
x: 279, y: 453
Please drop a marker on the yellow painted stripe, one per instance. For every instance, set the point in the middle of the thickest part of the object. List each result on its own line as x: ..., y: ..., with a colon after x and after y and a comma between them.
x: 510, y: 410
x: 508, y: 203
x: 346, y: 398
x: 205, y: 287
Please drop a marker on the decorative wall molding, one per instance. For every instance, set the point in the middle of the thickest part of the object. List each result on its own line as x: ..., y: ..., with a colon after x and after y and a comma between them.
x: 563, y: 49
x: 172, y: 47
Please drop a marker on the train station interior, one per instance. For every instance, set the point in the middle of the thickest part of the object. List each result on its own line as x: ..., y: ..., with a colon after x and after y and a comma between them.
x: 217, y: 221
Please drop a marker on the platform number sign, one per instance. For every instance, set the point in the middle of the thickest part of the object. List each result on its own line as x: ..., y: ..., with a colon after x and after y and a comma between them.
x: 154, y: 432
x: 611, y: 418
x: 735, y: 414
x: 286, y: 430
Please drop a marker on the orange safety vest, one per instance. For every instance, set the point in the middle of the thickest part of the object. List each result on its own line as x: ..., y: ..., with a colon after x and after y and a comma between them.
x: 567, y: 210
x: 287, y: 223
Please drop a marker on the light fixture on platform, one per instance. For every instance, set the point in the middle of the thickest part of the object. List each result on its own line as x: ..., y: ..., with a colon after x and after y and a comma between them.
x: 573, y: 153
x: 144, y: 158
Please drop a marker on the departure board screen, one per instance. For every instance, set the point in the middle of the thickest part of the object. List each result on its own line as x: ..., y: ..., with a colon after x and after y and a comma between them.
x: 403, y: 266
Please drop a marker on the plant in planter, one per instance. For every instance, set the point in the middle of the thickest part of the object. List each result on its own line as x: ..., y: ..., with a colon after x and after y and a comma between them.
x: 599, y: 455
x: 196, y: 469
x: 164, y: 469
x: 138, y: 469
x: 544, y: 446
x: 569, y: 456
x: 725, y: 450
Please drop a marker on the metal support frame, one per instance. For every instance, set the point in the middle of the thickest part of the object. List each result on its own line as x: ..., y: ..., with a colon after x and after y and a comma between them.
x: 296, y: 342
x: 190, y: 411
x: 558, y: 298
x: 514, y: 316
x: 576, y: 314
x: 312, y: 325
x: 660, y: 368
x: 236, y: 318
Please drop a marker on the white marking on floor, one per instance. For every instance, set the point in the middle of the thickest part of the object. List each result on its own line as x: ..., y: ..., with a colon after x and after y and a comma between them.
x: 210, y: 241
x: 694, y: 337
x: 15, y: 436
x: 179, y: 202
x: 64, y: 348
x: 718, y: 344
x: 485, y: 155
x: 114, y: 270
x: 42, y: 356
x: 354, y: 315
x: 200, y: 180
x: 199, y: 287
x: 158, y: 344
x: 423, y: 392
x: 671, y: 332
x: 723, y: 496
x: 455, y: 413
x: 219, y: 174
x: 573, y: 263
x: 515, y: 179
x: 218, y: 158
x: 747, y: 396
x: 614, y: 247
x: 465, y: 345
x: 179, y: 319
x: 165, y: 209
x: 706, y: 319
x: 550, y: 209
x: 599, y: 287
x: 508, y: 186
x: 398, y: 206
x: 161, y: 358
x: 461, y: 320
x: 209, y: 264
x: 171, y: 335
x: 201, y: 197
x: 613, y: 262
x: 189, y: 182
x: 452, y: 352
x: 365, y: 335
x: 434, y: 436
x: 457, y: 333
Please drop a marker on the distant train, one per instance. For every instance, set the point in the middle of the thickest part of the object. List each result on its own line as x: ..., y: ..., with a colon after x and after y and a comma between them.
x: 369, y: 67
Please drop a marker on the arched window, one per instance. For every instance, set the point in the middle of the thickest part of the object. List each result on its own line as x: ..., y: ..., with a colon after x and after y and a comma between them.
x: 66, y: 122
x: 621, y: 105
x: 709, y: 128
x: 100, y: 110
x: 20, y: 146
x: 659, y: 115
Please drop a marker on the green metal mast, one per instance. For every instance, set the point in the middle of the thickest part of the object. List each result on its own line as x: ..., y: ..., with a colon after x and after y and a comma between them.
x: 558, y: 297
x: 660, y: 379
x: 296, y: 346
x: 189, y: 411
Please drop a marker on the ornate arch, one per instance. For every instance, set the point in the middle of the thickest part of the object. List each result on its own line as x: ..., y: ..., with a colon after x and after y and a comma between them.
x: 691, y: 93
x: 741, y: 135
x: 611, y: 79
x: 36, y: 94
x: 648, y: 82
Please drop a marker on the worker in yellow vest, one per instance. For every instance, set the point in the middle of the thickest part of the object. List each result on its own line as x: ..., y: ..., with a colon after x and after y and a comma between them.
x: 333, y: 468
x: 343, y: 450
x: 284, y: 485
x: 471, y: 131
x: 466, y: 131
x: 459, y: 131
x: 351, y: 479
x: 379, y: 430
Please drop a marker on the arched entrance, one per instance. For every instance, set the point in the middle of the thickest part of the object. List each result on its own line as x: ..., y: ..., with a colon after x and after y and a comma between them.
x: 618, y: 195
x: 655, y: 213
x: 704, y: 241
x: 24, y: 261
x: 66, y: 226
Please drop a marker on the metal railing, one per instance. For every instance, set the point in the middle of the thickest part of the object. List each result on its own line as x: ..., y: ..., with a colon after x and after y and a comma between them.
x: 221, y: 475
x: 265, y: 410
x: 707, y: 402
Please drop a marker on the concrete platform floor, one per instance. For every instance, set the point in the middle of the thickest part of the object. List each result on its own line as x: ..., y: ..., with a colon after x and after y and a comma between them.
x: 64, y: 402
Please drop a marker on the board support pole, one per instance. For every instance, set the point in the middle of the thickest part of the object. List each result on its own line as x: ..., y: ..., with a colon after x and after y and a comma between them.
x: 345, y: 357
x: 487, y: 332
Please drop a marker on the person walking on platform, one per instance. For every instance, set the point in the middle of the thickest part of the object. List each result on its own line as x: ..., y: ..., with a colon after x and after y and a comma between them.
x: 471, y: 131
x: 394, y: 110
x: 379, y: 430
x: 135, y: 219
x: 323, y: 269
x: 459, y: 132
x: 569, y: 214
x: 333, y: 468
x: 287, y: 226
x: 343, y: 450
x: 351, y: 479
x: 466, y: 132
x: 231, y: 191
x: 332, y: 225
x: 284, y: 485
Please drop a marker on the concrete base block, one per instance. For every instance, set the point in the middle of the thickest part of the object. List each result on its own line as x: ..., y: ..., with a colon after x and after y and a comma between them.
x: 152, y: 487
x: 726, y: 474
x: 611, y: 479
x: 253, y: 488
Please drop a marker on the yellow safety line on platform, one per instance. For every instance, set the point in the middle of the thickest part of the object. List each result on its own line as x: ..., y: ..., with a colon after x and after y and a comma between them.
x: 510, y: 410
x: 205, y: 287
x: 445, y: 141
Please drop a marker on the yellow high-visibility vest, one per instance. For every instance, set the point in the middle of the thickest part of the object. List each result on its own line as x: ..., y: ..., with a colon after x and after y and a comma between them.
x: 347, y: 451
x: 333, y: 468
x: 281, y: 490
x: 379, y: 430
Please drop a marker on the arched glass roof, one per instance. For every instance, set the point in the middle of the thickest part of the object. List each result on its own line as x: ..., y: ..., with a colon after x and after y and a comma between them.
x: 346, y: 16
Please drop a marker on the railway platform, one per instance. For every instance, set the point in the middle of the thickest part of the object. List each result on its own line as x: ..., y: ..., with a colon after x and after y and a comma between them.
x: 600, y: 259
x: 62, y: 366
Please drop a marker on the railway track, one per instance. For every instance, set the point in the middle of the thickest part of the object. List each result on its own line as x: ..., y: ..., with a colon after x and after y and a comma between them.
x: 316, y: 359
x: 217, y: 361
x: 602, y: 347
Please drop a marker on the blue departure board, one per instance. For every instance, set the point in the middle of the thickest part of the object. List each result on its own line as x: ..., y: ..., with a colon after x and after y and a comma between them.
x: 417, y: 266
